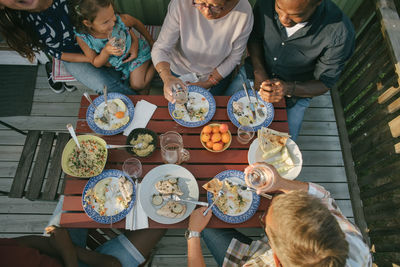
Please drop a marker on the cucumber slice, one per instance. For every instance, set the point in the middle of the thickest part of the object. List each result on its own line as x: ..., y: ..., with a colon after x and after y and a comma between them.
x: 177, y: 208
x: 157, y: 200
x: 173, y: 180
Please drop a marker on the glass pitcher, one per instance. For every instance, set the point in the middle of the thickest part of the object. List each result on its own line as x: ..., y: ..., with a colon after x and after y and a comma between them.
x: 172, y: 150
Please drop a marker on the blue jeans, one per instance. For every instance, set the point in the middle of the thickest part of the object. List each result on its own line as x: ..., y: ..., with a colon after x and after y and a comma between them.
x: 96, y: 78
x: 218, y: 240
x: 295, y: 113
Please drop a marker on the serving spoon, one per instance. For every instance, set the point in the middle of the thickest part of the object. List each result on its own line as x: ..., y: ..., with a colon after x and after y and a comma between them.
x: 72, y: 132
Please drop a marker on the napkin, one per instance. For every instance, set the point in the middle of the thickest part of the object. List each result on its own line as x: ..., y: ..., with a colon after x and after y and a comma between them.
x: 143, y: 112
x: 137, y: 217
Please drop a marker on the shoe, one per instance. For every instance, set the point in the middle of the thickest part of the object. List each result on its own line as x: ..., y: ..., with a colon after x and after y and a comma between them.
x: 56, y: 87
x: 70, y: 88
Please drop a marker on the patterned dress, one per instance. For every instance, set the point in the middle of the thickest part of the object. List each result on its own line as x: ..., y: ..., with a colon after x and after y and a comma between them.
x: 97, y: 44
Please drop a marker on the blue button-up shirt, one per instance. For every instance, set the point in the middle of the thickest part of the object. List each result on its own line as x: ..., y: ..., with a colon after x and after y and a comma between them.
x: 318, y: 51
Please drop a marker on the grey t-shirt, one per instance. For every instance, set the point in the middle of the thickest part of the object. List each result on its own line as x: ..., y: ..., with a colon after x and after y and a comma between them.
x: 318, y: 51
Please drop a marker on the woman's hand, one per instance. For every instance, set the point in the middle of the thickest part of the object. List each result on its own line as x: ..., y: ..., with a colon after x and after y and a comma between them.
x: 169, y: 81
x: 112, y: 50
x: 197, y: 221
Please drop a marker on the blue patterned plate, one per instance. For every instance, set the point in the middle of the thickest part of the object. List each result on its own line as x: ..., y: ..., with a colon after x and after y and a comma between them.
x: 98, y: 101
x: 235, y: 176
x: 92, y: 213
x: 240, y: 96
x: 201, y: 94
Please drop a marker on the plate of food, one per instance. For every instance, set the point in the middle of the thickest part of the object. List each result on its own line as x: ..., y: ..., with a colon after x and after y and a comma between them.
x: 199, y: 109
x: 240, y: 114
x: 108, y: 197
x: 235, y: 205
x: 86, y: 162
x: 145, y: 140
x: 277, y: 149
x: 157, y: 189
x: 115, y: 120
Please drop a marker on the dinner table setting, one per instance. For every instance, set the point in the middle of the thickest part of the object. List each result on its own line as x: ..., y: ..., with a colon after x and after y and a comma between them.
x: 139, y: 161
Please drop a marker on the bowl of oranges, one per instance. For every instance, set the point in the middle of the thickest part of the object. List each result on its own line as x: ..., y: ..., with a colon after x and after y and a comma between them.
x: 216, y: 137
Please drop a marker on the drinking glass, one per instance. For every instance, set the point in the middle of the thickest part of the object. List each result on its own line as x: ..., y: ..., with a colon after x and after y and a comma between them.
x: 259, y: 176
x: 132, y: 167
x: 181, y: 95
x: 118, y: 38
x: 245, y: 134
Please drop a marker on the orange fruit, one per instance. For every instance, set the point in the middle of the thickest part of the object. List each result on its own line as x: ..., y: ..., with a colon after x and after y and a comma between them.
x: 215, y: 129
x: 225, y: 138
x: 205, y: 138
x: 223, y: 128
x: 210, y: 144
x: 120, y: 114
x: 218, y: 146
x: 216, y: 137
x: 207, y: 129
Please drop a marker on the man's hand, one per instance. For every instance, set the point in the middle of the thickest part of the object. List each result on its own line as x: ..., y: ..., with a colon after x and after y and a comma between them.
x: 274, y: 90
x: 169, y: 81
x: 197, y: 221
x: 112, y: 50
x: 259, y: 77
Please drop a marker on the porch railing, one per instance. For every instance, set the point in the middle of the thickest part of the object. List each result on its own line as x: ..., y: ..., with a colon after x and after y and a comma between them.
x: 367, y: 103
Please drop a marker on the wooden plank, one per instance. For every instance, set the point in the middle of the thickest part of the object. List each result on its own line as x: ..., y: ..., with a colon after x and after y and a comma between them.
x: 40, y: 122
x: 18, y: 223
x: 39, y: 170
x: 10, y: 138
x: 55, y: 109
x: 25, y: 206
x: 319, y: 114
x: 8, y: 168
x: 394, y: 126
x: 388, y: 94
x: 394, y: 106
x: 10, y: 153
x: 53, y: 177
x: 321, y: 174
x: 318, y: 128
x: 24, y: 165
x: 349, y: 167
x: 323, y: 143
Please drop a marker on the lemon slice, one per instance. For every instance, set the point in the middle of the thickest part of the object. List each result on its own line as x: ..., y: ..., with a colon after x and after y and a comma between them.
x: 121, y: 105
x: 244, y: 121
x: 178, y: 114
x: 124, y: 120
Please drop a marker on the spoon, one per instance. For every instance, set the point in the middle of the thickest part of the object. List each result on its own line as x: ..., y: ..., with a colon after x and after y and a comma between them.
x: 259, y: 110
x: 138, y: 146
x: 85, y: 94
x: 72, y: 132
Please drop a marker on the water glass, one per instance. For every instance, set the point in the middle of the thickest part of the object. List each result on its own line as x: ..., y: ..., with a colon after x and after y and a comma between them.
x: 245, y: 134
x: 181, y: 95
x: 132, y: 167
x: 259, y: 176
x: 118, y: 38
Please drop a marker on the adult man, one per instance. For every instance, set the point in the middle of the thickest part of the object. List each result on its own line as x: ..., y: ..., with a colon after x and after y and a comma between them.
x: 304, y: 227
x: 298, y: 49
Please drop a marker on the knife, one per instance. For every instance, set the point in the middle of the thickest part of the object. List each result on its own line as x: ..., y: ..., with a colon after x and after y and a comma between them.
x: 252, y: 108
x: 244, y: 187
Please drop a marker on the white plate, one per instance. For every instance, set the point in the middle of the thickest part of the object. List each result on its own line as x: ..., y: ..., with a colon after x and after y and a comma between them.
x: 187, y: 183
x: 255, y: 155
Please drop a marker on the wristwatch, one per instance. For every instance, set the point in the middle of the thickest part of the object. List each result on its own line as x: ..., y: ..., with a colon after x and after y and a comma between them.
x: 189, y: 234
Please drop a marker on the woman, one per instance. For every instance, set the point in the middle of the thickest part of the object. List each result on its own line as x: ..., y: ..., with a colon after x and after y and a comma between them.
x: 30, y: 26
x: 202, y: 37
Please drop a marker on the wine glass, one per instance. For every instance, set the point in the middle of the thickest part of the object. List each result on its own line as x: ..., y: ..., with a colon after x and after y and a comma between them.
x: 132, y: 167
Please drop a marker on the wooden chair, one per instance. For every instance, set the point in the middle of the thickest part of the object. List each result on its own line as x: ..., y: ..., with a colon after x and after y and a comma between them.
x: 48, y: 161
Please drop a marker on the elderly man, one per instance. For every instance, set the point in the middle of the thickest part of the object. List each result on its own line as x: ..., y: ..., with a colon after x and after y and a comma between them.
x: 297, y: 49
x: 304, y: 227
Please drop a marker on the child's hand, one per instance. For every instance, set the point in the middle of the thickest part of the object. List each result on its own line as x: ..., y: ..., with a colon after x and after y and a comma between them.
x: 133, y: 52
x: 112, y: 50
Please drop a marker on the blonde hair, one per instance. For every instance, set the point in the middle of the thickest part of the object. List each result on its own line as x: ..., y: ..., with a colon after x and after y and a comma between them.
x: 304, y: 233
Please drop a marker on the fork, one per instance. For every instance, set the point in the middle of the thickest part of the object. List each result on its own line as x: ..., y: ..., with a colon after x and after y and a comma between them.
x: 220, y: 193
x: 259, y: 110
x: 177, y: 198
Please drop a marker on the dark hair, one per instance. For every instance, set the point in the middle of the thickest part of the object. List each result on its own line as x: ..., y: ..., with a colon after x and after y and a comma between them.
x: 18, y: 34
x: 81, y: 10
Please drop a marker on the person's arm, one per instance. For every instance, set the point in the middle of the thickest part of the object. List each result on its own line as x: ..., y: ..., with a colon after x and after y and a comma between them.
x: 256, y: 51
x: 130, y: 21
x: 99, y: 60
x: 74, y: 57
x: 163, y: 69
x: 197, y: 223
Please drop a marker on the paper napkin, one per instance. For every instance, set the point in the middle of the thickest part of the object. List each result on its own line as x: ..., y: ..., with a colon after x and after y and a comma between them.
x: 143, y: 113
x: 137, y: 217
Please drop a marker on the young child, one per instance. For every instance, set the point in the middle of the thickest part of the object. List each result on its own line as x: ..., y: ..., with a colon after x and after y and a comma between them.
x: 106, y: 40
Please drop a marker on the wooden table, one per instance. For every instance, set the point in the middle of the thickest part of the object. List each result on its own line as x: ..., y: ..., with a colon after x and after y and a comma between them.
x: 202, y: 164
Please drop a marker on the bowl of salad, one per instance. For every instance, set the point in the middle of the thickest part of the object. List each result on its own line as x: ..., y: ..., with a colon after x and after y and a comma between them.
x: 88, y: 161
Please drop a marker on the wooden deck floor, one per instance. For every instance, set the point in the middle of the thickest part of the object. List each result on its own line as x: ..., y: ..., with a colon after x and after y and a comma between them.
x: 318, y: 141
